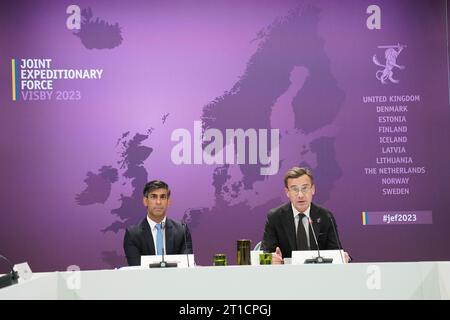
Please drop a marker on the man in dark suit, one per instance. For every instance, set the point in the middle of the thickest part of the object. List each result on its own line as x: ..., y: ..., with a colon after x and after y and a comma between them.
x: 156, y: 234
x: 288, y: 227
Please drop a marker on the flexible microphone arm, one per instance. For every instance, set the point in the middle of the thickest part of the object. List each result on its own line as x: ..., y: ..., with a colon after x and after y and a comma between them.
x: 10, y: 278
x: 337, y: 237
x: 315, y: 238
x: 183, y: 223
x: 162, y: 263
x: 318, y: 259
x: 9, y: 262
x: 314, y: 235
x: 163, y: 230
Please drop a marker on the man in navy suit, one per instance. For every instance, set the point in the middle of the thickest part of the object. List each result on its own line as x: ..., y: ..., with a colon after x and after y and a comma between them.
x: 282, y: 234
x: 156, y: 234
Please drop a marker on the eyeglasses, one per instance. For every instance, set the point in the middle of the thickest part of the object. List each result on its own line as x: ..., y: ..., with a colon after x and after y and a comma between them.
x: 296, y: 189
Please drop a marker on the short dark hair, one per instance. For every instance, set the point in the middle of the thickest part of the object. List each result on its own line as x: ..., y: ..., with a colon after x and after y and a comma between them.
x: 296, y: 172
x: 156, y: 184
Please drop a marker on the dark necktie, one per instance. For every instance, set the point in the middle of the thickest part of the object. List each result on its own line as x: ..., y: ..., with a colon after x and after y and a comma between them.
x: 302, y: 242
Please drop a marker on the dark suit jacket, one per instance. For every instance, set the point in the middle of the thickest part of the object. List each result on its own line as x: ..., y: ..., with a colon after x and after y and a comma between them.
x: 280, y: 230
x: 138, y: 241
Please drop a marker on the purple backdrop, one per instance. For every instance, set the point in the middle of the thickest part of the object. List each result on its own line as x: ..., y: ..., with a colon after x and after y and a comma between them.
x: 358, y: 93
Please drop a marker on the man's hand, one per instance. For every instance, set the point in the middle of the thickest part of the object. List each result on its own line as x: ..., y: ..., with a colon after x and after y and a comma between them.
x: 346, y: 257
x: 277, y: 257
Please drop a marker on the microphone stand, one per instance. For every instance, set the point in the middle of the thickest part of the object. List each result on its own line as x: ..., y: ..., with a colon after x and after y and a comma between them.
x: 185, y: 242
x: 10, y: 278
x: 162, y: 263
x: 337, y: 237
x: 317, y: 259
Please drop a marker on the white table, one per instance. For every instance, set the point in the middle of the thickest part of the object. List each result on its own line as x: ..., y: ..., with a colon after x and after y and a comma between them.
x: 406, y: 280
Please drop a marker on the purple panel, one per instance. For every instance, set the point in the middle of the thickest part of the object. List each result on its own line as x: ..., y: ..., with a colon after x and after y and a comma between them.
x: 323, y: 84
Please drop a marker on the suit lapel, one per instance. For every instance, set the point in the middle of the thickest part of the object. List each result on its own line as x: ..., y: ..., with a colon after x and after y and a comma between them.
x: 289, y: 225
x: 149, y: 245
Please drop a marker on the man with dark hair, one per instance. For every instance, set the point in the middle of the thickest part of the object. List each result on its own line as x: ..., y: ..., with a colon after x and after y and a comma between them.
x: 288, y: 226
x: 156, y: 234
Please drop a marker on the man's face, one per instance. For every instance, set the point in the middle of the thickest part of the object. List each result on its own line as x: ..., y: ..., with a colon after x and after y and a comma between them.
x: 300, y: 191
x: 157, y: 202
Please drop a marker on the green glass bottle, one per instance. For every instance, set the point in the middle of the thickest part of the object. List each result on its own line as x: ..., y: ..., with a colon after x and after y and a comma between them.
x: 243, y: 252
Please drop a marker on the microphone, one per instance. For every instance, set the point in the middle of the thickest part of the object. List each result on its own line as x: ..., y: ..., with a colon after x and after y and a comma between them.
x: 10, y: 278
x: 317, y: 259
x: 163, y: 230
x: 183, y: 223
x: 162, y: 263
x: 337, y: 237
